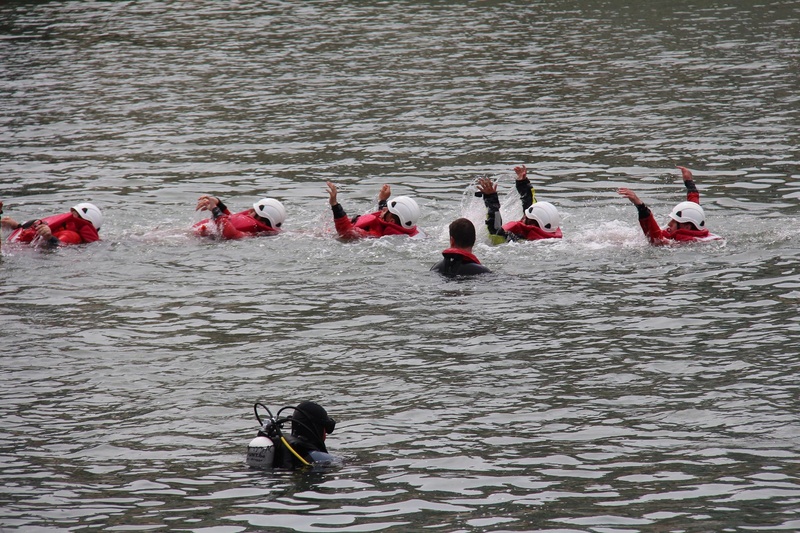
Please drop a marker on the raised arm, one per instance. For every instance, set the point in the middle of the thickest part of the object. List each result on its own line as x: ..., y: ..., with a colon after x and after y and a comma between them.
x: 344, y: 226
x: 524, y: 187
x: 488, y: 190
x: 212, y: 204
x: 630, y: 195
x: 494, y: 220
x: 647, y: 221
x: 644, y: 211
x: 692, y: 194
x: 383, y: 196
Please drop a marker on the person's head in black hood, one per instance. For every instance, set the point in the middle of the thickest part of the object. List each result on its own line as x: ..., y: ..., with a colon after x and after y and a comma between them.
x: 311, y: 422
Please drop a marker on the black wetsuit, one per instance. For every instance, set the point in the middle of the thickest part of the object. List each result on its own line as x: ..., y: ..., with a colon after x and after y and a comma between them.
x: 459, y: 263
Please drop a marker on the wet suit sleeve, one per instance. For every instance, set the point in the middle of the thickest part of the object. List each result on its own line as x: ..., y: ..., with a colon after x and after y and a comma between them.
x: 649, y: 225
x: 494, y: 220
x: 692, y: 194
x: 338, y: 211
x: 526, y: 193
x: 222, y: 207
x: 344, y: 226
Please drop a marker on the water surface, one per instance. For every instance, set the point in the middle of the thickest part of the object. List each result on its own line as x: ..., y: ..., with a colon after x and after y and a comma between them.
x: 594, y: 384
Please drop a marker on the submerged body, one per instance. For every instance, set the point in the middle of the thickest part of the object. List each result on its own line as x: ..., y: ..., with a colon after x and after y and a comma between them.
x: 458, y: 258
x: 65, y: 227
x: 234, y: 226
x: 395, y: 216
x: 305, y: 446
x: 687, y: 222
x: 79, y: 225
x: 263, y: 219
x: 457, y: 262
x: 372, y: 225
x: 539, y: 220
x: 674, y: 232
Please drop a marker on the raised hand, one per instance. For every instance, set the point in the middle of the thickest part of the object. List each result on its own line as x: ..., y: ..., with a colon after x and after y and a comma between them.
x: 332, y: 192
x: 630, y: 195
x: 206, y: 203
x: 686, y: 173
x: 384, y: 193
x: 487, y: 186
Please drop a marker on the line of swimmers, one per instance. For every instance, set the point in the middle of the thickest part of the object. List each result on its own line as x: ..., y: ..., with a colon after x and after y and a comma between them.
x: 395, y: 216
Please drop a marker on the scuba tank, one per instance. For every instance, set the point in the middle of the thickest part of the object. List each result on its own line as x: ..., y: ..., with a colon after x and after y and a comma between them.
x: 261, y: 450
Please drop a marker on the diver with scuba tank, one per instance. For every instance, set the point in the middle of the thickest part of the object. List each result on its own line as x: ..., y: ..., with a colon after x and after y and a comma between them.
x: 304, y: 446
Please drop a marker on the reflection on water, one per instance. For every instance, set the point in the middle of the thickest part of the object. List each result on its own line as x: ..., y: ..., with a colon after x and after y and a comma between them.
x: 594, y: 384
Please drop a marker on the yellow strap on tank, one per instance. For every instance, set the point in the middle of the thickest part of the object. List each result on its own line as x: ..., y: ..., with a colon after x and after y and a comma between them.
x: 286, y: 443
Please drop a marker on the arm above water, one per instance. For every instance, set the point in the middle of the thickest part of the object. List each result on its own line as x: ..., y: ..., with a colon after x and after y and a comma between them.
x: 647, y: 221
x: 692, y: 194
x: 383, y: 195
x: 344, y: 226
x: 494, y: 220
x: 524, y: 188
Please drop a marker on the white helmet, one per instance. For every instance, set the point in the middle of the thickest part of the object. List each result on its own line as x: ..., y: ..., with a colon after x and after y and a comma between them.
x: 406, y: 210
x: 272, y: 210
x: 689, y: 212
x: 546, y: 215
x: 91, y: 213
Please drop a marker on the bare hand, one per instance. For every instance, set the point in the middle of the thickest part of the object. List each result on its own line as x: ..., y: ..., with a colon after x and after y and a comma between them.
x: 384, y: 193
x: 630, y: 195
x: 206, y: 203
x: 332, y: 192
x: 487, y: 186
x: 43, y: 230
x: 8, y: 222
x: 686, y: 173
x: 522, y: 172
